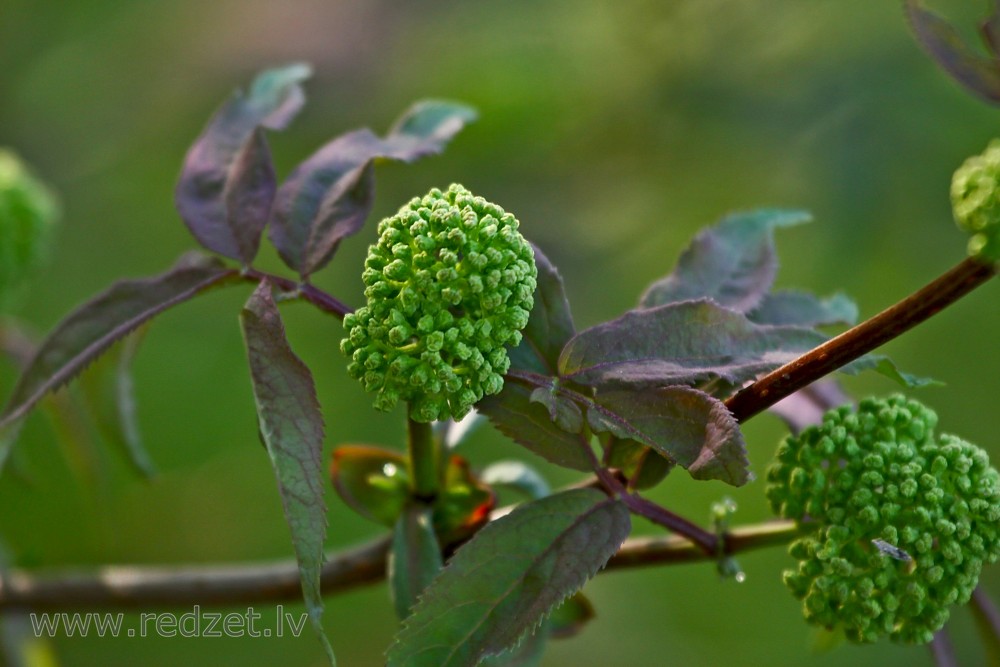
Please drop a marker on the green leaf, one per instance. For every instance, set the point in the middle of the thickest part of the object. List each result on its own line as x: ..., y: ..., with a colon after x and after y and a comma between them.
x: 110, y: 398
x: 804, y: 309
x: 96, y: 325
x: 504, y: 581
x: 530, y: 425
x: 291, y: 427
x: 328, y: 197
x: 680, y: 343
x: 641, y: 465
x: 414, y: 559
x: 528, y: 653
x: 227, y: 184
x: 887, y: 368
x: 464, y: 503
x: 978, y: 73
x: 550, y: 324
x: 372, y: 481
x: 733, y: 263
x: 518, y: 476
x: 564, y: 412
x: 687, y: 426
x: 569, y: 618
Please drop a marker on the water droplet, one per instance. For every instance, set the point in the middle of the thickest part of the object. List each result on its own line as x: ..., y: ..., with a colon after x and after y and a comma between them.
x: 740, y: 577
x: 389, y: 469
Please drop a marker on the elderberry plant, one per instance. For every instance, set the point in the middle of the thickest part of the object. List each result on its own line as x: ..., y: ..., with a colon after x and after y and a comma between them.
x: 890, y: 522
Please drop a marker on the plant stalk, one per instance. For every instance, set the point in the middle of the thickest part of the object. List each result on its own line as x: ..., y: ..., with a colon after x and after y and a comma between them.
x: 425, y: 460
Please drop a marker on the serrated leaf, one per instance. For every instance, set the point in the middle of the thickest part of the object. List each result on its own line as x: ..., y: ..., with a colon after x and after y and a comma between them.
x: 504, y: 581
x: 687, y: 426
x: 414, y: 558
x: 569, y: 618
x: 978, y: 73
x: 528, y: 653
x: 110, y: 397
x: 372, y: 481
x: 550, y: 324
x: 564, y: 412
x: 227, y: 184
x: 291, y: 427
x: 529, y: 424
x: 96, y: 325
x: 733, y: 262
x: 328, y: 197
x: 804, y: 310
x: 516, y: 475
x: 680, y: 343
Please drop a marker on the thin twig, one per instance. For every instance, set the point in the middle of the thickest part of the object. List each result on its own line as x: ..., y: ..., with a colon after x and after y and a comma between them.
x: 306, y: 291
x: 860, y: 340
x: 123, y: 587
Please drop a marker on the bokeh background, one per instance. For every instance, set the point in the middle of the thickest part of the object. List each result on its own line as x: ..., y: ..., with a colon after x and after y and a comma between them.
x: 613, y: 130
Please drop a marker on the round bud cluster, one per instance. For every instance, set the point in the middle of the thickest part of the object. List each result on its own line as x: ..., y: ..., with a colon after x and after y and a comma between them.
x: 27, y: 210
x: 449, y: 284
x: 900, y: 521
x: 975, y: 200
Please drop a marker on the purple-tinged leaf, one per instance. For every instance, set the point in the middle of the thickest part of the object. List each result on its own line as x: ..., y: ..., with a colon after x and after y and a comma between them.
x: 680, y: 343
x: 372, y: 481
x: 291, y: 427
x: 806, y: 407
x: 414, y: 559
x: 803, y: 309
x: 227, y: 184
x: 96, y: 325
x: 685, y: 425
x: 328, y: 197
x: 110, y: 397
x: 502, y: 583
x: 978, y: 73
x: 529, y: 424
x: 518, y: 476
x: 733, y: 263
x: 550, y: 324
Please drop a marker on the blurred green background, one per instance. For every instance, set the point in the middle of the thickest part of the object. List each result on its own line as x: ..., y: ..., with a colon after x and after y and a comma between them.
x: 612, y: 130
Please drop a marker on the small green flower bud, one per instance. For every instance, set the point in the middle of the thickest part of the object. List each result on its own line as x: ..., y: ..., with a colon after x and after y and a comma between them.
x: 975, y: 200
x: 449, y: 286
x: 27, y: 211
x: 905, y: 540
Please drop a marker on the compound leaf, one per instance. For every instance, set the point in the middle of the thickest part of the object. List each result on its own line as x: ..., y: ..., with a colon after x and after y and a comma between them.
x: 733, y: 262
x: 227, y: 183
x: 328, y: 197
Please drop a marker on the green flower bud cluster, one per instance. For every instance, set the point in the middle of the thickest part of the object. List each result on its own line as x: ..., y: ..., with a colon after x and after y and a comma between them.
x: 449, y: 284
x: 902, y: 521
x: 975, y: 200
x: 27, y: 210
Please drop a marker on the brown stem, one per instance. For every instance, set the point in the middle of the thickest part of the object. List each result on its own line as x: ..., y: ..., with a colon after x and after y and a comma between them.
x: 122, y: 587
x: 860, y: 340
